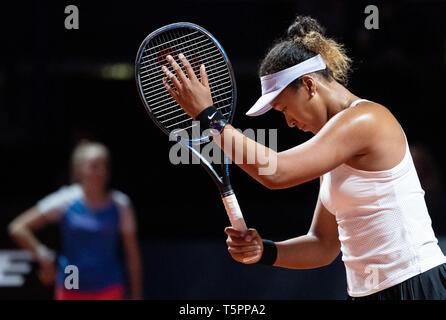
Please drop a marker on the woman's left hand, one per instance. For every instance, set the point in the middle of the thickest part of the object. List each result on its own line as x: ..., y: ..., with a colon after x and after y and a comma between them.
x: 192, y: 95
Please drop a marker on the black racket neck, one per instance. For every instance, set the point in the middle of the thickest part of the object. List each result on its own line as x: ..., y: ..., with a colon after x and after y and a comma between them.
x: 226, y: 191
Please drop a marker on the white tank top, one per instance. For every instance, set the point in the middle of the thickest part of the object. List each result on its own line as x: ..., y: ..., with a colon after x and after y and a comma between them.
x: 383, y: 223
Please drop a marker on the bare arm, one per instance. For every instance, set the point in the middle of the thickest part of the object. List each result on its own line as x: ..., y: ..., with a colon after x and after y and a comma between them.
x: 132, y: 254
x: 319, y: 247
x: 344, y: 136
x: 21, y: 230
x: 133, y: 259
x: 22, y: 227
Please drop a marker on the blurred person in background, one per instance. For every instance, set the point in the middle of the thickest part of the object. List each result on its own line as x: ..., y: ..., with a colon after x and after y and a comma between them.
x: 93, y: 221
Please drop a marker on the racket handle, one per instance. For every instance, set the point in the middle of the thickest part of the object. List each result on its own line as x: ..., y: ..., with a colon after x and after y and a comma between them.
x: 234, y: 212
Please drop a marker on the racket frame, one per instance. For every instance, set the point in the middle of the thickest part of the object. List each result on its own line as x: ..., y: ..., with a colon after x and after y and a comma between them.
x: 141, y: 49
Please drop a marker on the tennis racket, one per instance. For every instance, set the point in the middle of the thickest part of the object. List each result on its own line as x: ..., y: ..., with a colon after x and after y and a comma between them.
x: 199, y: 47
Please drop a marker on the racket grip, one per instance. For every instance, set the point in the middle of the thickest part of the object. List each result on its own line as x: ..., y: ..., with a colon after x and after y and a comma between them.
x: 234, y: 212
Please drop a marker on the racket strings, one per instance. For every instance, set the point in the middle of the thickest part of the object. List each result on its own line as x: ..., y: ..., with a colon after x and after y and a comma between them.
x: 213, y: 61
x: 199, y: 49
x: 186, y: 50
x: 173, y: 40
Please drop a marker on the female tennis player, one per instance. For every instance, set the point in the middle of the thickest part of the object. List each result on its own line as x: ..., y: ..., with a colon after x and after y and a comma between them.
x: 370, y: 206
x: 93, y: 222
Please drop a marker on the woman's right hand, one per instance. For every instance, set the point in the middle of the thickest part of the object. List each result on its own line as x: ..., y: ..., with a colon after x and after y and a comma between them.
x: 244, y: 246
x: 47, y: 266
x: 47, y: 272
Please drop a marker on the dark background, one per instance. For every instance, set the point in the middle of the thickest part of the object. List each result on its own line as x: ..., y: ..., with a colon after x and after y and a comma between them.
x: 54, y: 91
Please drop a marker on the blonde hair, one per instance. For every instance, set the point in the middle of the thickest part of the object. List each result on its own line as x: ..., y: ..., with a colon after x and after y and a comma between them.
x: 78, y: 156
x: 333, y: 53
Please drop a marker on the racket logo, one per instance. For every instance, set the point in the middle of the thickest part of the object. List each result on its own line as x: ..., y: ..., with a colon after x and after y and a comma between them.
x: 163, y: 53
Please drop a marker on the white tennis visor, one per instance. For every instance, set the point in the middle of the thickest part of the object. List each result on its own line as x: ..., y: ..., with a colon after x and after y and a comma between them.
x: 273, y: 84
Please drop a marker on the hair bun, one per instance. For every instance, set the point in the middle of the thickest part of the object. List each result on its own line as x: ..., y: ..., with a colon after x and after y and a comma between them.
x: 302, y: 25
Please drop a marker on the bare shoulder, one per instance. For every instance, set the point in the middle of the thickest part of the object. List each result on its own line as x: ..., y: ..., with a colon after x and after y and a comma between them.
x: 381, y: 133
x: 373, y: 108
x: 364, y: 125
x: 369, y: 118
x: 368, y: 112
